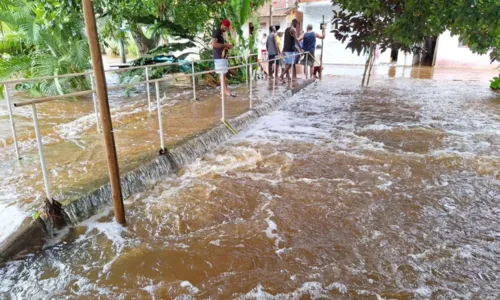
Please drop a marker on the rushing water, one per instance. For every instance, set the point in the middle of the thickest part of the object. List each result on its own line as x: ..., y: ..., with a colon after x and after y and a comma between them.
x: 73, y: 148
x: 388, y: 192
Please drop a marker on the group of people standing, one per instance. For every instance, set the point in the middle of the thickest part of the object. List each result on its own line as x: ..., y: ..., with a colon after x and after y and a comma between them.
x: 294, y: 47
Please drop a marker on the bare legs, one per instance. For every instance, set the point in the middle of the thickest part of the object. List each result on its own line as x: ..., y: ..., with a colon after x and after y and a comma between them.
x: 226, y: 88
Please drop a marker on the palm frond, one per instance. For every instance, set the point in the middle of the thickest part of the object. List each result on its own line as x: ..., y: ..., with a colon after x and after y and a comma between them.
x: 14, y: 66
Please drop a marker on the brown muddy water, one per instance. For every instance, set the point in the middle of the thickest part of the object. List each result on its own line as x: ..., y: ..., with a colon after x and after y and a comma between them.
x: 74, y: 150
x: 387, y: 192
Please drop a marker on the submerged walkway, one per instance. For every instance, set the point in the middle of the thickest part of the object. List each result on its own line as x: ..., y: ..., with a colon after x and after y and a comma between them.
x: 75, y: 151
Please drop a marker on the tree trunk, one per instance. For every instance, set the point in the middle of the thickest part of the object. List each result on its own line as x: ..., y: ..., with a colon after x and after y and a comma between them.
x: 143, y: 43
x: 121, y: 47
x: 366, y: 67
x: 372, y: 60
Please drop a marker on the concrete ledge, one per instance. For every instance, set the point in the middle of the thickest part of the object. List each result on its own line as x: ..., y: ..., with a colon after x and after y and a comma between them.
x: 32, y: 234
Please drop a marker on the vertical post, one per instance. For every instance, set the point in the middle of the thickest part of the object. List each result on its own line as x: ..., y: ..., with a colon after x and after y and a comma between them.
x: 322, y: 47
x: 222, y: 95
x: 11, y: 118
x: 147, y: 89
x: 107, y: 125
x: 270, y: 12
x: 160, y: 120
x: 94, y: 100
x: 293, y: 70
x: 121, y: 46
x: 306, y: 67
x: 276, y: 60
x: 194, y: 80
x: 246, y: 67
x: 41, y: 154
x: 251, y: 86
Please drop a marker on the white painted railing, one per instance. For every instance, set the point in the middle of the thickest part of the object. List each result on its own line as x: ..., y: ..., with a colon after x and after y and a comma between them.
x: 146, y: 82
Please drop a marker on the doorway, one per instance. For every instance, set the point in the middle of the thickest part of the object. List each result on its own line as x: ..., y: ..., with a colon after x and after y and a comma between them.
x: 427, y: 56
x: 394, y: 55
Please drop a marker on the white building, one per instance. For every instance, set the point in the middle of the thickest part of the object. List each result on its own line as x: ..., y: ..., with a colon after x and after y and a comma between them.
x: 443, y: 51
x: 452, y: 53
x: 334, y: 51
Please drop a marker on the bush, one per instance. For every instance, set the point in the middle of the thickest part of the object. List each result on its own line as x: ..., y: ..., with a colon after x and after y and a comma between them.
x: 495, y: 84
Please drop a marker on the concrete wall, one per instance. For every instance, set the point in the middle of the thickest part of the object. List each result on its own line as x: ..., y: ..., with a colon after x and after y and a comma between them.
x: 451, y: 53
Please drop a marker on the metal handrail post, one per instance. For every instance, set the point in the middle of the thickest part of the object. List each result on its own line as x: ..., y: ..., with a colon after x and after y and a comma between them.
x: 194, y: 81
x: 94, y: 100
x: 251, y: 85
x: 246, y: 69
x: 12, y: 122
x: 275, y: 75
x: 160, y: 120
x: 147, y: 88
x: 222, y: 95
x: 41, y: 154
x: 306, y: 67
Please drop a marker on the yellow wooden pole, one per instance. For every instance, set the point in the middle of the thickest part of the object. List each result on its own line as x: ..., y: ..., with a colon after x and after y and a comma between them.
x: 102, y: 97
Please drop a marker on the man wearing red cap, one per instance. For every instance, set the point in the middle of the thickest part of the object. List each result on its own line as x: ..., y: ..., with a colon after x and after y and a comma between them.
x: 221, y: 49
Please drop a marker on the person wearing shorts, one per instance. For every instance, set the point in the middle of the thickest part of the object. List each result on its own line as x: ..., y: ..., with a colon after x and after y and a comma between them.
x: 221, y: 49
x: 289, y: 49
x: 273, y: 51
x: 309, y: 41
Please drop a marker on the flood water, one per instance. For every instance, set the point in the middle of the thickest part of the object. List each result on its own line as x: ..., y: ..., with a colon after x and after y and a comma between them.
x: 74, y: 148
x: 387, y: 192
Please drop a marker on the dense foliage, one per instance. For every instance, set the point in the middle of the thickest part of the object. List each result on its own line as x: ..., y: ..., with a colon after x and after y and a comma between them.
x: 46, y: 37
x: 37, y: 41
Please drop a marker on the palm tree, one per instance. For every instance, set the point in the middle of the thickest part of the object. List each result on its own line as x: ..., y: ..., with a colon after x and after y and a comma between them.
x: 32, y: 46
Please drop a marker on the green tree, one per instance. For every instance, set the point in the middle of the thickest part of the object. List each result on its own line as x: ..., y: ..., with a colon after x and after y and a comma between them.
x: 405, y: 24
x: 478, y: 25
x: 45, y: 38
x: 366, y: 24
x: 150, y: 20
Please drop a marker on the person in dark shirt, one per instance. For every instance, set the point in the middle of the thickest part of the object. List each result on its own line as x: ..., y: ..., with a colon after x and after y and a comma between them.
x: 221, y: 49
x: 309, y: 46
x: 289, y: 50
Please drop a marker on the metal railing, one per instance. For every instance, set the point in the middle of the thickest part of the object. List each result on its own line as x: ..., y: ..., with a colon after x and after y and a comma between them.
x: 146, y: 82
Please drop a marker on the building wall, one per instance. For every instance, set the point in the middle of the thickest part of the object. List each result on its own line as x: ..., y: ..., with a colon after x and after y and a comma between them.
x: 451, y: 53
x: 334, y: 52
x: 280, y: 20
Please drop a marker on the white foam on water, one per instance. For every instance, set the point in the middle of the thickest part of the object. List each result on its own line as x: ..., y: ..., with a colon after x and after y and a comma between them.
x: 191, y: 288
x: 272, y: 232
x: 76, y: 127
x: 423, y: 292
x: 342, y: 288
x: 377, y: 127
x: 232, y: 159
x: 215, y: 243
x: 314, y: 290
x: 11, y: 217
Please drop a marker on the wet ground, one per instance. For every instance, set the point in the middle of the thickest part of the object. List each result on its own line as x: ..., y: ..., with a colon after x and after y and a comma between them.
x: 387, y: 192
